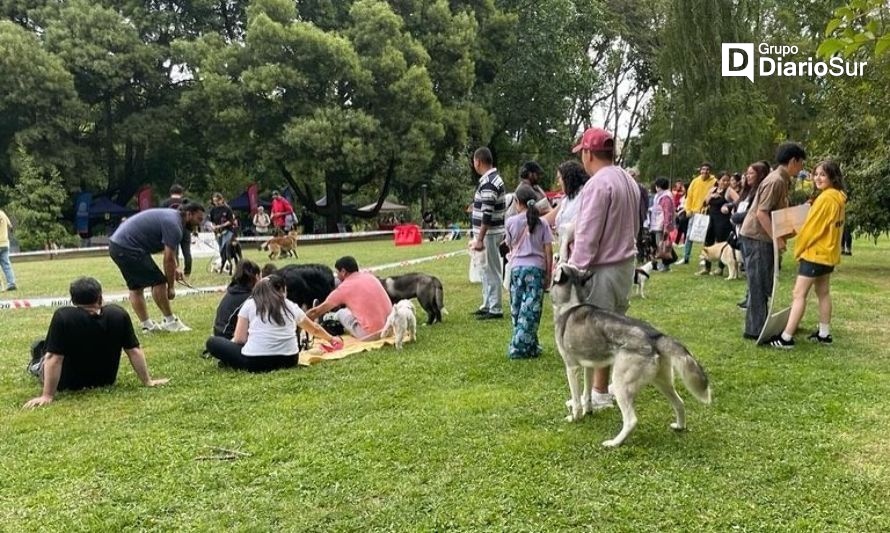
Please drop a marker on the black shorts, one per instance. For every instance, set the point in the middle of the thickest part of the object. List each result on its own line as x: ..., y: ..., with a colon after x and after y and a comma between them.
x: 813, y: 270
x: 139, y: 269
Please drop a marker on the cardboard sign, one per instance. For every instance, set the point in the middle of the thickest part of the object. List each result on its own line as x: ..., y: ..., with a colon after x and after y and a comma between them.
x: 786, y: 222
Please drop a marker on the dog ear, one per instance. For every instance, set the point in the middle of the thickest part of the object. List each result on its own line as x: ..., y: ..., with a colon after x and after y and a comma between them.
x: 561, y: 275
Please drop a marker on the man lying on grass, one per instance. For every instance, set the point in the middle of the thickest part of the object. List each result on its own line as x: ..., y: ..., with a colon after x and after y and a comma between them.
x: 83, y: 345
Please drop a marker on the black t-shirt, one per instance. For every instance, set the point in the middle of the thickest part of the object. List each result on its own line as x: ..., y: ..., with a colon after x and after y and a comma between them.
x: 90, y: 344
x: 221, y: 214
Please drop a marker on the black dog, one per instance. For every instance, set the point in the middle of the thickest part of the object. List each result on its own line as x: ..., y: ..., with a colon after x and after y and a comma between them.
x: 233, y: 255
x: 427, y: 289
x: 307, y: 285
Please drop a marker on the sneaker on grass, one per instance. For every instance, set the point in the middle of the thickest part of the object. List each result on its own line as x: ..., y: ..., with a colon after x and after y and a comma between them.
x: 815, y: 337
x: 174, y: 325
x: 154, y: 326
x: 601, y: 400
x: 779, y: 342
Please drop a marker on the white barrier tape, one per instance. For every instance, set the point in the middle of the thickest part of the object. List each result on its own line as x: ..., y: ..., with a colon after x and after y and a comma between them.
x: 409, y: 262
x: 117, y: 298
x: 256, y: 238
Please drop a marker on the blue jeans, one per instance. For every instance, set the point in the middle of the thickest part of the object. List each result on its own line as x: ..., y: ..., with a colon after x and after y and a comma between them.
x: 6, y: 266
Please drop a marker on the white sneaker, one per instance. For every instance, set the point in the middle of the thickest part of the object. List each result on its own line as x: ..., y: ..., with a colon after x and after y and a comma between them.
x: 153, y: 327
x: 601, y: 400
x: 174, y: 325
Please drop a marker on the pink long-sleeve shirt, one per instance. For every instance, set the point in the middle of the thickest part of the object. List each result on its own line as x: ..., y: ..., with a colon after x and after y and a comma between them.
x: 608, y: 219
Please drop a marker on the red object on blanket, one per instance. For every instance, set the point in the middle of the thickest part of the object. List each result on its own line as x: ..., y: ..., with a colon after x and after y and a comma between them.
x: 407, y: 235
x: 336, y: 344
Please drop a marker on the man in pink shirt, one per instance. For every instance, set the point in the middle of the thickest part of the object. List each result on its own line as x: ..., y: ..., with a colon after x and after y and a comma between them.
x: 281, y: 209
x: 606, y: 227
x: 366, y: 303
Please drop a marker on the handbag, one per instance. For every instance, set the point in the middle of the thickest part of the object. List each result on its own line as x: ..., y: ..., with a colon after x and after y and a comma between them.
x: 698, y: 228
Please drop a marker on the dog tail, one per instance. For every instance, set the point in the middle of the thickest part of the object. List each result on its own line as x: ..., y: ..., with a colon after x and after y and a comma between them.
x: 440, y: 300
x: 692, y: 374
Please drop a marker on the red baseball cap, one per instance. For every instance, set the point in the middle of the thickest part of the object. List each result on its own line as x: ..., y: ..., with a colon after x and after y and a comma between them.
x: 595, y: 139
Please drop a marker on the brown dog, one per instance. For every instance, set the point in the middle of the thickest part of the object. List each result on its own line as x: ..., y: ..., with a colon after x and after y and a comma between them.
x: 724, y: 253
x: 286, y: 244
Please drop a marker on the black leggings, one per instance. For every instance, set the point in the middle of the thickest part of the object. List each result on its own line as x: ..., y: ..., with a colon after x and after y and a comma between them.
x: 230, y: 353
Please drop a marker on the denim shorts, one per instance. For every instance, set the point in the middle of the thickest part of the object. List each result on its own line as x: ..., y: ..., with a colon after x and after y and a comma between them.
x: 813, y: 270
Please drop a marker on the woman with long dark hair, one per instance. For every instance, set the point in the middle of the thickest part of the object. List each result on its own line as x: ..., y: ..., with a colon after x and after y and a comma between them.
x: 246, y: 275
x: 265, y: 335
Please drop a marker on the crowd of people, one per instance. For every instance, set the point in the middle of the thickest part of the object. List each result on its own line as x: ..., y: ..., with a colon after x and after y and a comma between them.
x: 610, y: 211
x: 603, y: 206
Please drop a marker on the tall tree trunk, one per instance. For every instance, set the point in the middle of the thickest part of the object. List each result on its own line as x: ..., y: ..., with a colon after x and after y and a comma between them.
x: 334, y: 203
x: 110, y: 160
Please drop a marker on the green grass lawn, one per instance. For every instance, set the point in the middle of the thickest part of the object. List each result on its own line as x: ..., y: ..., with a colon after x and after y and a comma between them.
x: 450, y: 434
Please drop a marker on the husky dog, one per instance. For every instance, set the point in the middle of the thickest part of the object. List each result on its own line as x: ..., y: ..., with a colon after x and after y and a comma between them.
x: 427, y: 289
x: 402, y: 322
x: 641, y: 276
x: 724, y: 253
x: 286, y: 244
x: 588, y: 337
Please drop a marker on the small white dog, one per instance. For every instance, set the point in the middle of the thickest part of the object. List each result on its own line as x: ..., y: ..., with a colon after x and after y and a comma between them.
x: 641, y: 276
x: 402, y: 322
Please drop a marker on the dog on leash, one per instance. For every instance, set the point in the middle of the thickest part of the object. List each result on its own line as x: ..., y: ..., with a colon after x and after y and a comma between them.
x: 402, y: 322
x: 233, y: 257
x: 725, y: 254
x: 427, y: 289
x: 285, y: 244
x: 641, y: 276
x: 588, y: 337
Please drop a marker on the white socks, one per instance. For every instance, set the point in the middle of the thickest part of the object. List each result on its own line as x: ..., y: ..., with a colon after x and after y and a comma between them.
x: 148, y: 323
x: 786, y: 337
x: 823, y: 330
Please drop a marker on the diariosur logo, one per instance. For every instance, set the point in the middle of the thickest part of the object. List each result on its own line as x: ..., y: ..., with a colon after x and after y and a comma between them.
x: 737, y: 60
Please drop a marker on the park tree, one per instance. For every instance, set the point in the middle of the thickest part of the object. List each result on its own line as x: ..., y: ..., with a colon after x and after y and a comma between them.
x: 854, y: 117
x: 703, y: 115
x: 39, y: 109
x: 333, y: 112
x: 36, y: 203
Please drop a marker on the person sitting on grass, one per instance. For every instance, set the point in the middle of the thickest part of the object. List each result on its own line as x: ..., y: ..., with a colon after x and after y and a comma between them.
x: 266, y: 332
x: 366, y: 304
x: 83, y: 346
x: 246, y: 276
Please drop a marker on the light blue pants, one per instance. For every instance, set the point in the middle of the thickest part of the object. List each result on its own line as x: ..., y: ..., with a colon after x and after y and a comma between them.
x: 6, y: 266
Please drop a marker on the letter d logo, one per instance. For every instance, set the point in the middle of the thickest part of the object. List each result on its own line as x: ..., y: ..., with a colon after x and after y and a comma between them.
x: 737, y: 59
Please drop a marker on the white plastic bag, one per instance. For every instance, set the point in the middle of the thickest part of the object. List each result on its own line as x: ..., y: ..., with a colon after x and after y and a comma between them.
x: 698, y: 227
x: 477, y: 265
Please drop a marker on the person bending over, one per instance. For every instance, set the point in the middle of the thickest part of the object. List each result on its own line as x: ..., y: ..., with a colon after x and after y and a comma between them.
x: 266, y: 332
x: 83, y: 346
x: 366, y: 303
x: 149, y: 232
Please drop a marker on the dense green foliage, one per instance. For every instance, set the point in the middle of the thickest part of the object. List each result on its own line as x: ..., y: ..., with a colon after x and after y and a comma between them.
x: 357, y: 101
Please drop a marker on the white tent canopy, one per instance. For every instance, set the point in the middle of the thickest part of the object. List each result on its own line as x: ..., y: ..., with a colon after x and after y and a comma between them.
x: 385, y: 207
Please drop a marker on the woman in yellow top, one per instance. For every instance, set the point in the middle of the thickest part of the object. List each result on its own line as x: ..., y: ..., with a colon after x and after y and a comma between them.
x: 818, y: 249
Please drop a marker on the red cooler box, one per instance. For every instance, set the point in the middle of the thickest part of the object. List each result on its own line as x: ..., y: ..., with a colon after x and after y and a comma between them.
x: 407, y: 235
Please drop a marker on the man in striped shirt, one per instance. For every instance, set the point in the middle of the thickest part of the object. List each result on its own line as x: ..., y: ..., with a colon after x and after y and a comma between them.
x: 489, y: 207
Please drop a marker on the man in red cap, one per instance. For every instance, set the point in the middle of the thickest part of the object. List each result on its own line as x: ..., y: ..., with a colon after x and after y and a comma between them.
x: 606, y: 228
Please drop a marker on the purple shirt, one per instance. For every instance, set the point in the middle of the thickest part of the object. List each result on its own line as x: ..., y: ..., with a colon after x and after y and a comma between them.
x: 608, y: 219
x: 527, y: 249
